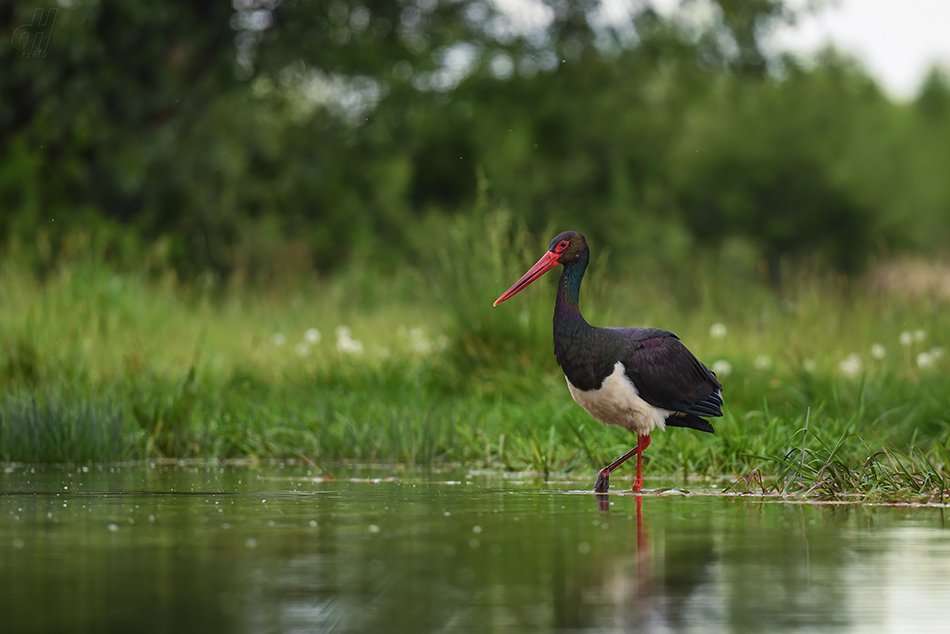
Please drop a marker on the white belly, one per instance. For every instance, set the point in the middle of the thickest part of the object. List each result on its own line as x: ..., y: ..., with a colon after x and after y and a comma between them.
x: 617, y: 402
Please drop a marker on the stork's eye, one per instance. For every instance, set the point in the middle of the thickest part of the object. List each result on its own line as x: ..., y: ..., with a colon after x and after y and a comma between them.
x: 562, y: 245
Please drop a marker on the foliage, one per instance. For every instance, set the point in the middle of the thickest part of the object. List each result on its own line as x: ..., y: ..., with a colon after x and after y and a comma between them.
x: 799, y: 200
x: 272, y: 138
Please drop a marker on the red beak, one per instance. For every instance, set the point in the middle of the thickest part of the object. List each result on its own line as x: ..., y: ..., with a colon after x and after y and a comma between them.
x: 547, y: 262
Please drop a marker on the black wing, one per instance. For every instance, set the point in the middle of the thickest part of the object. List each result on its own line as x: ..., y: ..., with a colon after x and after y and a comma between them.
x: 667, y: 375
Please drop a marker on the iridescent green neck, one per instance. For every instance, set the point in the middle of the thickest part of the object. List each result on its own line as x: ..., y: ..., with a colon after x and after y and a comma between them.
x: 567, y: 311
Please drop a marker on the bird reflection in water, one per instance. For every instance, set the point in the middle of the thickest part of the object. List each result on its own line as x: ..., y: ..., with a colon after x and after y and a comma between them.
x: 666, y: 576
x: 643, y: 540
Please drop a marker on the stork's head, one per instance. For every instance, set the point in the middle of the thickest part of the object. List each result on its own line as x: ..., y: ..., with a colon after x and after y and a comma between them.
x: 565, y: 248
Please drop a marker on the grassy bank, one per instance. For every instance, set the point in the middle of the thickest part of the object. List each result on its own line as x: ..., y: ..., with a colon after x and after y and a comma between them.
x: 418, y: 368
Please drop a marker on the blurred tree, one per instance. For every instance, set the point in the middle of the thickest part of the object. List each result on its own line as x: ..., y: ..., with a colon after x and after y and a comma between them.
x: 744, y: 24
x: 96, y: 127
x: 933, y: 101
x: 770, y: 161
x: 924, y: 204
x: 142, y: 114
x: 264, y: 135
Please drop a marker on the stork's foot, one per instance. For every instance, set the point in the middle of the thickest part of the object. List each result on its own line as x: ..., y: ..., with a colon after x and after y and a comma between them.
x: 603, y: 481
x: 637, y: 484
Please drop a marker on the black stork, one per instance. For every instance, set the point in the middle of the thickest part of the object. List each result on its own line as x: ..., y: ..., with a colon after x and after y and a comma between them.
x: 637, y: 378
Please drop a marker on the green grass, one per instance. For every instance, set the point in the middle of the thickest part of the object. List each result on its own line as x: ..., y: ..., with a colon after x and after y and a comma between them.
x: 832, y: 473
x: 97, y: 365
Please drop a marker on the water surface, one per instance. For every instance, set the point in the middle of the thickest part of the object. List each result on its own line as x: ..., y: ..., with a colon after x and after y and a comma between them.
x: 152, y: 548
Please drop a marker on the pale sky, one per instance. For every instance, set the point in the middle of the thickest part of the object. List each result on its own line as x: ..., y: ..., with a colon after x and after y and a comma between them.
x: 898, y: 41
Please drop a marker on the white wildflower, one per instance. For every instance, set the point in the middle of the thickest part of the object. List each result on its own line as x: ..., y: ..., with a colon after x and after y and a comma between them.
x: 722, y: 367
x: 850, y: 366
x: 312, y: 335
x: 278, y: 338
x: 418, y: 341
x: 878, y: 351
x: 906, y: 338
x: 718, y: 331
x: 762, y: 362
x: 422, y: 346
x: 302, y: 349
x: 925, y: 360
x: 809, y: 365
x: 937, y: 352
x: 919, y: 335
x: 350, y: 346
x: 345, y: 343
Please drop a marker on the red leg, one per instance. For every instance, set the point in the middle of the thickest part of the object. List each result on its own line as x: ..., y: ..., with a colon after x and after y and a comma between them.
x: 643, y: 443
x: 603, y: 478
